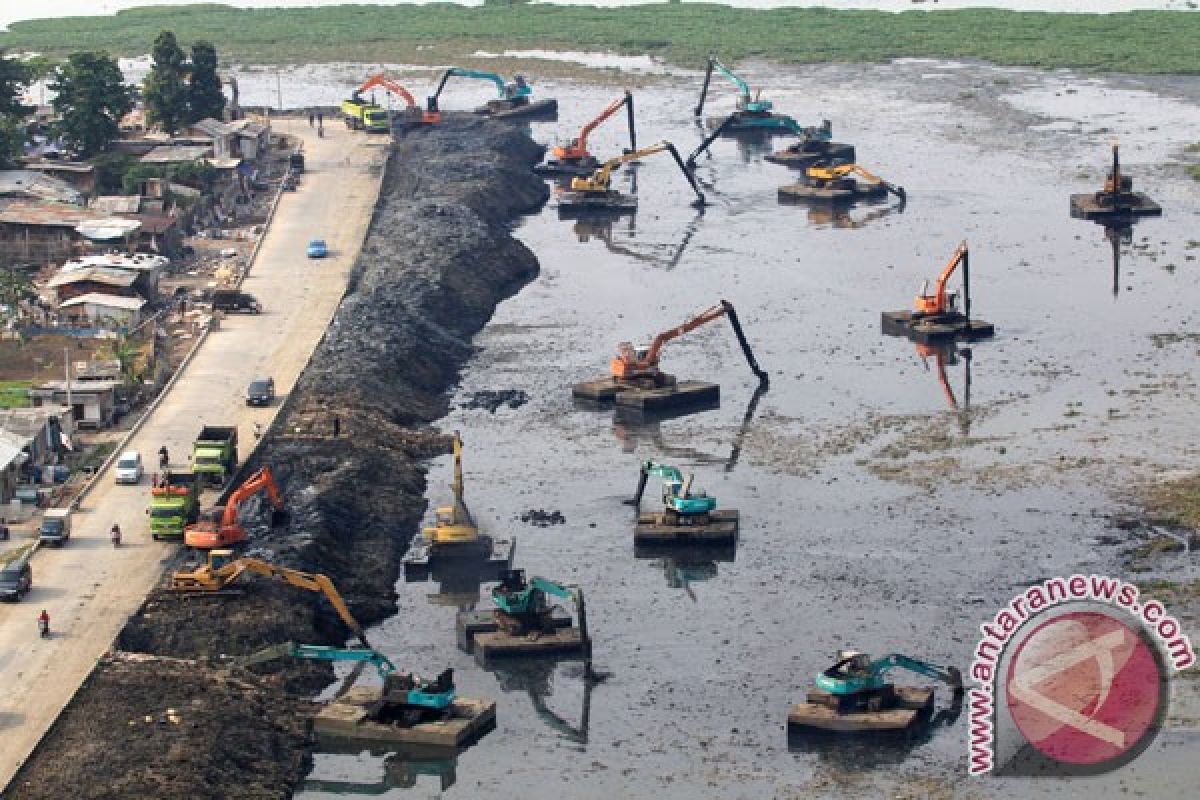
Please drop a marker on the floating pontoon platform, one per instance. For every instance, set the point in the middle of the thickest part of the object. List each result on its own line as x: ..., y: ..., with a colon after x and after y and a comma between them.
x: 841, y: 193
x: 763, y: 124
x: 806, y: 154
x: 490, y: 554
x: 478, y: 632
x: 605, y: 391
x: 721, y: 529
x: 901, y: 712
x: 581, y: 168
x: 468, y: 624
x: 349, y: 717
x: 929, y: 329
x: 1100, y: 206
x: 504, y: 109
x: 572, y: 203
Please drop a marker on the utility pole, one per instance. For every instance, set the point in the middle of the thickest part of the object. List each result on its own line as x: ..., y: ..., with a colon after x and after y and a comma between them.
x: 279, y: 91
x: 67, y: 370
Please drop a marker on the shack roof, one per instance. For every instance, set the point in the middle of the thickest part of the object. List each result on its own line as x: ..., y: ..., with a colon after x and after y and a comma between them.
x: 109, y: 276
x: 139, y: 262
x: 176, y: 154
x: 213, y: 127
x: 38, y: 185
x: 22, y: 211
x: 248, y: 128
x: 117, y: 203
x: 105, y: 301
x: 26, y: 422
x: 77, y: 387
x: 11, y: 449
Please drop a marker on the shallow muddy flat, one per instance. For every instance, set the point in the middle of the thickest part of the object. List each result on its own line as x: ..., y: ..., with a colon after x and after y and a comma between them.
x: 880, y: 509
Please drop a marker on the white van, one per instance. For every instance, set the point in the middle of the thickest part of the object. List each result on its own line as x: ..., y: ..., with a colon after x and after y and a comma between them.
x: 129, y: 467
x: 56, y: 526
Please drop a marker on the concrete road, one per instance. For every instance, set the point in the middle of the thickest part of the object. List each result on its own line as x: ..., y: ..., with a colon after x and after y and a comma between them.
x: 90, y: 588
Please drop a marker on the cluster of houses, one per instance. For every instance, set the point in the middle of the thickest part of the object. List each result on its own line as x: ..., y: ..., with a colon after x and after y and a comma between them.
x: 112, y: 248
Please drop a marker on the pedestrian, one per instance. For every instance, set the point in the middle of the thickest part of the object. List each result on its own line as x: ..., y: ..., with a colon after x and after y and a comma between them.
x: 320, y: 119
x: 257, y: 430
x: 44, y: 623
x: 310, y: 119
x: 337, y: 426
x: 3, y: 530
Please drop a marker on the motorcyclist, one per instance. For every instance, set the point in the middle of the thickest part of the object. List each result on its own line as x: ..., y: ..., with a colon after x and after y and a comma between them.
x: 115, y: 533
x: 44, y: 623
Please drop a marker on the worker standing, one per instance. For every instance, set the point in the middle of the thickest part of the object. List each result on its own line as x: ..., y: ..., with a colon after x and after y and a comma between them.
x: 44, y: 623
x: 310, y: 119
x: 4, y: 534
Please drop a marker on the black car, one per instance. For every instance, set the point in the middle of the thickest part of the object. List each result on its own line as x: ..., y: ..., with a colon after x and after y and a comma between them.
x: 16, y: 578
x: 260, y: 392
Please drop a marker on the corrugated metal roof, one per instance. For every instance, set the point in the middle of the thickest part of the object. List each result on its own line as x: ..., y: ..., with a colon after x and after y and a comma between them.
x: 20, y: 211
x: 37, y: 185
x: 212, y: 127
x: 139, y: 262
x: 167, y: 154
x: 105, y: 301
x: 117, y: 204
x: 110, y: 276
x: 25, y: 422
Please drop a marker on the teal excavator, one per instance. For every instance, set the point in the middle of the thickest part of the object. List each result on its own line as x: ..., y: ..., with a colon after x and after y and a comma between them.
x: 401, y: 690
x: 754, y: 114
x: 523, y: 607
x: 861, y: 683
x: 680, y: 505
x: 515, y: 97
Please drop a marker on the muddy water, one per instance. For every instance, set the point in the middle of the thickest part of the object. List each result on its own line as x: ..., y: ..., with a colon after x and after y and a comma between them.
x: 875, y: 514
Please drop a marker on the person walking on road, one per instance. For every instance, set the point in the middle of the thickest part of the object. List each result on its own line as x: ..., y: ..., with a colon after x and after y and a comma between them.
x: 310, y: 119
x: 4, y: 534
x: 44, y: 623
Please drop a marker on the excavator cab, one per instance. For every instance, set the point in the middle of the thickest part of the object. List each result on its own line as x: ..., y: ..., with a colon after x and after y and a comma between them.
x: 219, y: 558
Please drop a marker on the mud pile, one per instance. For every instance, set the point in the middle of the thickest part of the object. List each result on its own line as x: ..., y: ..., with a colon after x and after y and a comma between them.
x: 348, y: 452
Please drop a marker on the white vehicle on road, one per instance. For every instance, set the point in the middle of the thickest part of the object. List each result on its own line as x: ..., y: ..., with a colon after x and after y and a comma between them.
x: 129, y: 467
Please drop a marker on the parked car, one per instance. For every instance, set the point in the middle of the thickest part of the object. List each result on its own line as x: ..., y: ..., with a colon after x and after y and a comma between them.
x: 260, y: 392
x: 16, y: 578
x: 296, y: 161
x: 56, y: 526
x: 129, y: 467
x: 233, y: 300
x: 317, y: 249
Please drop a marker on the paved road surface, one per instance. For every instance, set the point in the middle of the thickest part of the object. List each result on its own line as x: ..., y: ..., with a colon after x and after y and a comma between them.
x: 90, y: 588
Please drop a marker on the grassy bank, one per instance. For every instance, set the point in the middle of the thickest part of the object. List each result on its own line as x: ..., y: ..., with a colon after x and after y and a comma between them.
x: 1136, y: 42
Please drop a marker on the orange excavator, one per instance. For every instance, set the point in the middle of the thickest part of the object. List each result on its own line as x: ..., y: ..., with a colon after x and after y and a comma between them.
x: 574, y: 158
x: 220, y: 527
x: 940, y: 302
x: 412, y: 112
x: 638, y: 366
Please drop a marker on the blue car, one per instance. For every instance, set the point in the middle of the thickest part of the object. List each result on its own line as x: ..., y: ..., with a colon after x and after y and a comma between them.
x: 317, y: 249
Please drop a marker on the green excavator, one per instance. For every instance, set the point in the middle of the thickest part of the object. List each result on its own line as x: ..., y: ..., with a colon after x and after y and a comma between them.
x: 753, y: 114
x: 680, y: 505
x: 515, y: 98
x: 860, y: 682
x: 523, y: 607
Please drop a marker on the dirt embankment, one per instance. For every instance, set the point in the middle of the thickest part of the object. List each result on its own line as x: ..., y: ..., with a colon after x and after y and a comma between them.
x: 437, y: 260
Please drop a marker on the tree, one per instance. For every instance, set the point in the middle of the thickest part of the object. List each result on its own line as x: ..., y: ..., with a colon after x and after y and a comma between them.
x: 91, y: 99
x: 14, y: 77
x: 14, y: 287
x: 205, y: 98
x: 165, y: 91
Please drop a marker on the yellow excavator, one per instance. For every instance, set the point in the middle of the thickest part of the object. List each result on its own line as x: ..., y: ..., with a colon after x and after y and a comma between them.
x: 222, y: 569
x: 594, y: 193
x: 838, y: 176
x: 453, y: 524
x: 454, y: 533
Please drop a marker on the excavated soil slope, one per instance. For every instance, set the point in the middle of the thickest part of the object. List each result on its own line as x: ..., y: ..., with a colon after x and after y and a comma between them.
x: 437, y: 260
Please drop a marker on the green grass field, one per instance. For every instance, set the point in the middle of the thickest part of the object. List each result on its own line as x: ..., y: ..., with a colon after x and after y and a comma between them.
x: 14, y: 394
x: 1135, y: 42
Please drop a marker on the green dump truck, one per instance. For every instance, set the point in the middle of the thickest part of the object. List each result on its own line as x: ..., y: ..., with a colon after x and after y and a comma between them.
x: 361, y: 115
x: 174, y: 503
x: 214, y: 454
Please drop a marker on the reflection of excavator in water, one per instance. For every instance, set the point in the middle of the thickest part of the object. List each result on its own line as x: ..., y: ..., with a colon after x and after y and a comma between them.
x: 220, y: 527
x: 574, y: 158
x: 594, y: 193
x: 222, y: 569
x: 585, y: 229
x: 638, y: 366
x: 409, y: 116
x: 840, y: 217
x: 535, y: 678
x: 947, y: 354
x: 515, y: 97
x: 753, y: 114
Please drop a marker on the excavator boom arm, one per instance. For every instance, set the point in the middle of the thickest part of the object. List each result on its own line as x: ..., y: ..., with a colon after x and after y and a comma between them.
x: 713, y: 63
x: 381, y: 79
x: 959, y: 257
x: 301, y: 580
x: 263, y: 479
x: 550, y: 587
x: 702, y: 318
x: 948, y: 675
x: 609, y: 110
